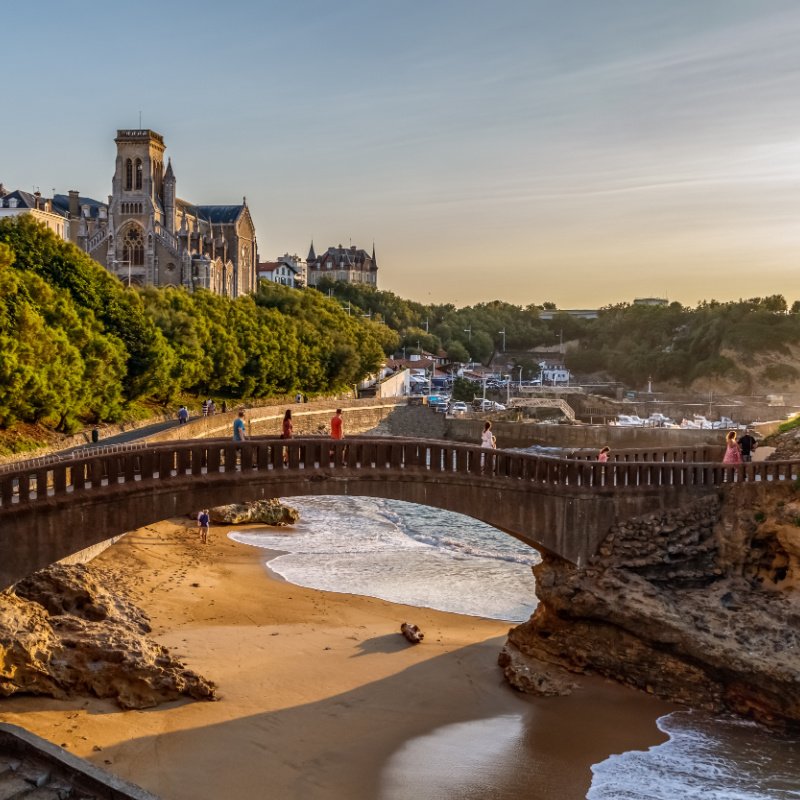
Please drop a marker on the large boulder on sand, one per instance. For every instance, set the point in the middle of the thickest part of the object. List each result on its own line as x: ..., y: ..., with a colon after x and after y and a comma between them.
x: 266, y: 512
x: 62, y: 633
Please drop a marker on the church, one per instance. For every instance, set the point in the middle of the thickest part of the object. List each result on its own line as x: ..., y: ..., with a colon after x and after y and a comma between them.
x: 146, y: 235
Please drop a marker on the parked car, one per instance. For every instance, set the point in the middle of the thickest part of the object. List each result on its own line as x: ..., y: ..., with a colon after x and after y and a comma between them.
x: 657, y: 420
x: 482, y: 404
x: 458, y: 408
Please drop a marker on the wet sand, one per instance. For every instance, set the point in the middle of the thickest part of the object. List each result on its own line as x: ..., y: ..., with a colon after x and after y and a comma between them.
x: 321, y: 697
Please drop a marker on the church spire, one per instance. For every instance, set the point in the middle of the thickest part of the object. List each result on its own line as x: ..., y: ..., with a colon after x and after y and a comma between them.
x: 374, y: 260
x: 169, y: 197
x: 312, y: 256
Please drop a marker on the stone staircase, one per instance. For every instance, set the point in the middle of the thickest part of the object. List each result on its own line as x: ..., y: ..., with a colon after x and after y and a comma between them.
x: 34, y: 769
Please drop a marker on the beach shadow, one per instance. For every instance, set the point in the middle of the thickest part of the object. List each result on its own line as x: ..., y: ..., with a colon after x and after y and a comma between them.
x: 338, y: 748
x: 388, y: 643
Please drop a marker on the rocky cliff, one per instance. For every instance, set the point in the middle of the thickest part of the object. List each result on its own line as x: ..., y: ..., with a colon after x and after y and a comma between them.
x: 63, y: 633
x: 699, y: 605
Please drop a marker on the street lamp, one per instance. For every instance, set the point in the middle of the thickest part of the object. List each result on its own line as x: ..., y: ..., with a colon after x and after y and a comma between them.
x: 116, y: 263
x: 469, y: 332
x: 504, y: 338
x: 520, y: 380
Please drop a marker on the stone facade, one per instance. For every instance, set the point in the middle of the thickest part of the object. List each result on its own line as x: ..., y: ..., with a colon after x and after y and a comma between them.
x: 147, y: 235
x: 14, y: 204
x: 348, y: 264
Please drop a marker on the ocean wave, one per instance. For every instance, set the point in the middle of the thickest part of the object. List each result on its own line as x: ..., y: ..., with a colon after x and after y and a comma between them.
x: 470, y: 550
x: 705, y: 758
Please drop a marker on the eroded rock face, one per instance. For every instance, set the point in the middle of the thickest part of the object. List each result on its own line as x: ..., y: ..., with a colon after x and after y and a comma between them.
x: 698, y: 605
x: 63, y: 633
x: 266, y: 512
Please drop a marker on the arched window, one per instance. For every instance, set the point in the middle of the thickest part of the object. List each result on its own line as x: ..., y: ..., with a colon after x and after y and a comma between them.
x: 138, y: 173
x: 128, y: 175
x: 133, y: 247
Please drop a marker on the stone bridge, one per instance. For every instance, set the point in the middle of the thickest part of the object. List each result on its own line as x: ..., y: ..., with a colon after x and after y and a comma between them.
x: 53, y: 508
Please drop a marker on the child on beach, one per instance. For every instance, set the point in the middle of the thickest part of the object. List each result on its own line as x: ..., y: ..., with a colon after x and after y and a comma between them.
x: 204, y: 522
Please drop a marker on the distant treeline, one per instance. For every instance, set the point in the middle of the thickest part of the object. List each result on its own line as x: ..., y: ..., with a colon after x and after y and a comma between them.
x: 631, y: 343
x: 75, y: 343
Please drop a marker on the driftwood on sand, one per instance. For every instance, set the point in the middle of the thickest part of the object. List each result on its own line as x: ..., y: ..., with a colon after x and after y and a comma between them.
x: 412, y: 633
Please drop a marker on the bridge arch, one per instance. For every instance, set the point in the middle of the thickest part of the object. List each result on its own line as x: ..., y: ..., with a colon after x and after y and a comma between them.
x: 51, y: 510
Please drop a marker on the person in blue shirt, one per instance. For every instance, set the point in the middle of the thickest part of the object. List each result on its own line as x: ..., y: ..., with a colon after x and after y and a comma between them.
x: 238, y: 428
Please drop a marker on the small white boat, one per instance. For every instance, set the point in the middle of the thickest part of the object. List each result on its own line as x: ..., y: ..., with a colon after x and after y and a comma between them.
x: 630, y: 420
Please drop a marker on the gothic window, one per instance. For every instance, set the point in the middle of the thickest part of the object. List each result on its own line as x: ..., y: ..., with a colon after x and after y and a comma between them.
x: 133, y: 247
x: 129, y: 174
x: 138, y: 173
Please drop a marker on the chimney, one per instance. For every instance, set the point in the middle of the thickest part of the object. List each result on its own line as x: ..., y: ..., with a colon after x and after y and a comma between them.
x: 37, y: 199
x: 74, y: 203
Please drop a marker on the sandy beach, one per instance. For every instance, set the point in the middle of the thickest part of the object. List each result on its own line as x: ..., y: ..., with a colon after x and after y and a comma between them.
x: 321, y: 697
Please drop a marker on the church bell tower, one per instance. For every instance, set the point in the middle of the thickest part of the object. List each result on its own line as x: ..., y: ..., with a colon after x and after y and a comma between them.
x: 137, y: 206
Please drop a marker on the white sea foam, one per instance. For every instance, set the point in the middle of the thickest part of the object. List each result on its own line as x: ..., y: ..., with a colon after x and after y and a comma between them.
x: 403, y: 553
x: 705, y: 758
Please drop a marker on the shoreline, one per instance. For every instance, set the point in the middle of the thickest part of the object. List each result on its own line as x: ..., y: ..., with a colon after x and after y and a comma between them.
x: 320, y: 695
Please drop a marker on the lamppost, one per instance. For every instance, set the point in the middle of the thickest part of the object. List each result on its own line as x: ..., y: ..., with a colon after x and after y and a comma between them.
x: 468, y: 331
x: 520, y: 379
x: 504, y: 338
x: 116, y: 263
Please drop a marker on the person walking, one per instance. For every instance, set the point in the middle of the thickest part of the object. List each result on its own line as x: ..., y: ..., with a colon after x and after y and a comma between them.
x: 733, y: 455
x: 239, y: 428
x: 337, y: 432
x: 488, y: 442
x: 183, y: 415
x: 747, y: 444
x: 287, y: 429
x: 337, y: 425
x: 205, y: 408
x: 603, y: 455
x: 204, y: 523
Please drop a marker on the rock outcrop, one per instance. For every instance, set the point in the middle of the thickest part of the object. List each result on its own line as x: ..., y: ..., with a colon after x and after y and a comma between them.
x: 698, y: 605
x: 63, y: 633
x: 265, y: 512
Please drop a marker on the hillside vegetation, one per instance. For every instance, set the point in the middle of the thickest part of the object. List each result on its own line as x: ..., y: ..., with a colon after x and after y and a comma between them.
x: 76, y: 344
x: 740, y: 346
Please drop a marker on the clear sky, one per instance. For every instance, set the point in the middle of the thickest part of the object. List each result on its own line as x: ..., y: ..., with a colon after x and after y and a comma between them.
x: 583, y: 152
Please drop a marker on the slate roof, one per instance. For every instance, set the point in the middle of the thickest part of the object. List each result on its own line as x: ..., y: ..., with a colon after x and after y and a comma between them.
x: 24, y: 199
x: 220, y: 214
x: 61, y: 204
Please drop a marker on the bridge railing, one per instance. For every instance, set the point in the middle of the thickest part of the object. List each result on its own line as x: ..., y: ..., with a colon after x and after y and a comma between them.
x: 702, y: 454
x: 92, y: 471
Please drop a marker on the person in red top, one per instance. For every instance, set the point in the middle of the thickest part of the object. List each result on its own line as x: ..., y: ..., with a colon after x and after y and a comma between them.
x: 337, y: 425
